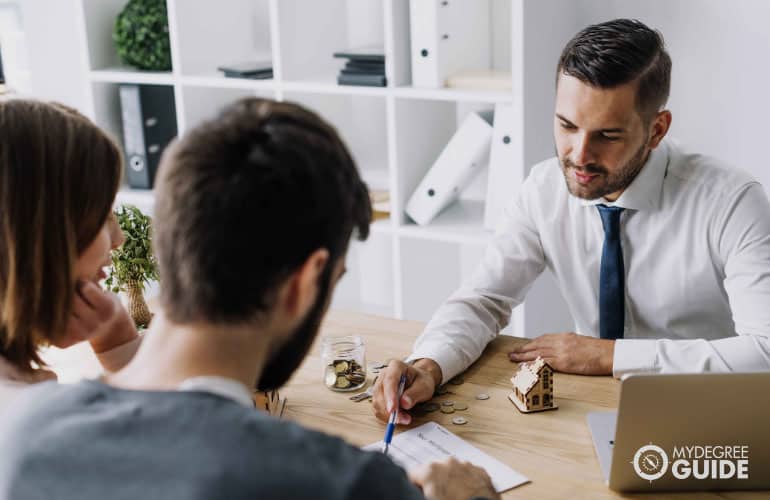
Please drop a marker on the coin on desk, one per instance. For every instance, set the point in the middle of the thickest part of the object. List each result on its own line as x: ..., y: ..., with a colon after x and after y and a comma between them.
x: 460, y: 406
x: 482, y: 396
x: 459, y: 421
x: 447, y: 403
x: 375, y: 366
x: 447, y: 409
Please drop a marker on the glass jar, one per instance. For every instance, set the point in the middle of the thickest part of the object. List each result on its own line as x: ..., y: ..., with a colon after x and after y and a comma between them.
x: 344, y: 362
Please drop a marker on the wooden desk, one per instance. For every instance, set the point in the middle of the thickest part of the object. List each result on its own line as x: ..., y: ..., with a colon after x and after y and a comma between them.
x: 553, y: 448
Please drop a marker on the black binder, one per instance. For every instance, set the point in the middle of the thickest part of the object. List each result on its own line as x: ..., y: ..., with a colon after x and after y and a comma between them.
x: 149, y: 124
x: 2, y: 74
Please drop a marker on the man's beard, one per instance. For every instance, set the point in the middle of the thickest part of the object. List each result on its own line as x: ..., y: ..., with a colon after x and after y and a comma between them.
x: 285, y: 361
x: 604, y: 183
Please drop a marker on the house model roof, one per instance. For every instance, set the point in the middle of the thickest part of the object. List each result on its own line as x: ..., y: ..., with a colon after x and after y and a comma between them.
x: 527, y: 376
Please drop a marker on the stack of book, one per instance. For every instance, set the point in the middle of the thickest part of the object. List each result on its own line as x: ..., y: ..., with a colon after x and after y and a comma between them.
x: 364, y: 66
x: 254, y: 70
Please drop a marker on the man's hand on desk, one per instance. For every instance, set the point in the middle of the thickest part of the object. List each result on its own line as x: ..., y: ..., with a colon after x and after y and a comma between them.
x: 569, y: 353
x: 422, y: 378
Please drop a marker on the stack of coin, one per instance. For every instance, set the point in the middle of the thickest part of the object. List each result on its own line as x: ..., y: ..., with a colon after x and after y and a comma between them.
x: 344, y: 374
x: 447, y: 407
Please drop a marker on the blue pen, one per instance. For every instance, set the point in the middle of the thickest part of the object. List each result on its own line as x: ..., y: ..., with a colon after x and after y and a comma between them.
x: 392, y: 421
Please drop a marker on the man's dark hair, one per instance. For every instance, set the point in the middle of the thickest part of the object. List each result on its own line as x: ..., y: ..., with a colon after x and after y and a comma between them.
x: 617, y: 52
x: 243, y: 200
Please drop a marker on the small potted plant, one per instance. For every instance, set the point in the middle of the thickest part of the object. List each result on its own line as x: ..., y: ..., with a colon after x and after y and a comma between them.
x: 133, y: 264
x: 141, y: 35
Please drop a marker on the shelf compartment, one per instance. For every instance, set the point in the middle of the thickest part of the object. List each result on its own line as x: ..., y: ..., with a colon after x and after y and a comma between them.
x: 368, y: 283
x: 461, y: 222
x: 459, y: 46
x: 423, y: 128
x: 202, y: 102
x: 361, y: 122
x: 99, y: 18
x: 311, y: 32
x: 431, y: 271
x: 239, y: 31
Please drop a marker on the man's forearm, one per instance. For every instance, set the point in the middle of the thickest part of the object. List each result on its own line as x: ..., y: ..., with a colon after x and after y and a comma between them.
x: 741, y: 353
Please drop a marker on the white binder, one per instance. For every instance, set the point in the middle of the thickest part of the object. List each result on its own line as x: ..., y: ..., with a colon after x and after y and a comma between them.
x: 448, y: 36
x: 466, y: 154
x: 502, y: 183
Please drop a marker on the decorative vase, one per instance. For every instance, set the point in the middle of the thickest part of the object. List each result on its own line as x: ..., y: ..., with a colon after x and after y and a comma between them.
x: 137, y: 307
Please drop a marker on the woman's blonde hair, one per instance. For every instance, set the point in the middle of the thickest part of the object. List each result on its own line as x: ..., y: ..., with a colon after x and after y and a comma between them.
x: 59, y: 174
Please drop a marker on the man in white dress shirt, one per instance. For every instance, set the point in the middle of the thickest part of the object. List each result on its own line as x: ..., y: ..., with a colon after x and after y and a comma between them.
x: 663, y: 257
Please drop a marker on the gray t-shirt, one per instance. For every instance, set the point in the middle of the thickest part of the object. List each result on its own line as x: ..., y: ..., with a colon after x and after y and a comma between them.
x: 92, y: 441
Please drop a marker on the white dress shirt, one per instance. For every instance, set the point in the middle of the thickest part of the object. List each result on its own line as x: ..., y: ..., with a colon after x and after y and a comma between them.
x: 696, y: 250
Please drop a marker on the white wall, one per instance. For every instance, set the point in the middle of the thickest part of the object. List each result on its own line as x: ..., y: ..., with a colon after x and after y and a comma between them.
x: 720, y: 77
x: 57, y: 63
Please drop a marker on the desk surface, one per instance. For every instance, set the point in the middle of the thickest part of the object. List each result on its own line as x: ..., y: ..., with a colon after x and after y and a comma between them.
x: 553, y: 448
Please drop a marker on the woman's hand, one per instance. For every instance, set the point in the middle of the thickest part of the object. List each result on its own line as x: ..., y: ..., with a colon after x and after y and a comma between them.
x: 98, y: 317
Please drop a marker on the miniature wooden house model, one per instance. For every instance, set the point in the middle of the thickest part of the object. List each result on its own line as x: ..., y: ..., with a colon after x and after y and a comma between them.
x: 533, y: 387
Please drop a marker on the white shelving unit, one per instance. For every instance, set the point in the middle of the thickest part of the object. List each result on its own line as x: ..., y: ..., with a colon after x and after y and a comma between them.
x: 395, y: 132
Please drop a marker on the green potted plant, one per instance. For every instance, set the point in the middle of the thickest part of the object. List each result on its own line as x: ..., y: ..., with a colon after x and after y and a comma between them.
x: 133, y: 264
x: 141, y: 35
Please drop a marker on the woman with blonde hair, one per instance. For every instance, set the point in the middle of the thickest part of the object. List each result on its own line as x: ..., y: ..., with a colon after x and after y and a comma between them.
x: 59, y: 175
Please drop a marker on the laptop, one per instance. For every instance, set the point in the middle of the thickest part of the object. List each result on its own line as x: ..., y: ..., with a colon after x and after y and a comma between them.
x: 691, y: 432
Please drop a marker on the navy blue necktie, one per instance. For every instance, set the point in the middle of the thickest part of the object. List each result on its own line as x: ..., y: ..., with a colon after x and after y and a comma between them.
x: 611, y: 276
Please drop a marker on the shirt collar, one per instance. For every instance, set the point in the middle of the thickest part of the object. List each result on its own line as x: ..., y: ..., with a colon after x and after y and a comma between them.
x: 645, y: 190
x: 221, y: 386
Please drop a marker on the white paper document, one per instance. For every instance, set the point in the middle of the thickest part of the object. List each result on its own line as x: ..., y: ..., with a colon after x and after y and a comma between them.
x: 431, y: 442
